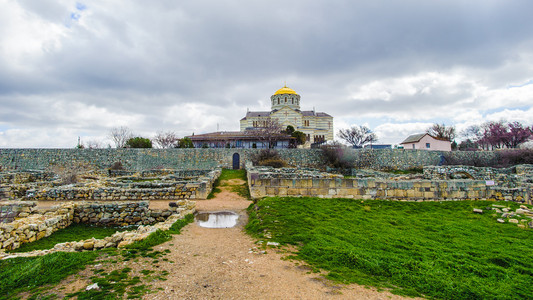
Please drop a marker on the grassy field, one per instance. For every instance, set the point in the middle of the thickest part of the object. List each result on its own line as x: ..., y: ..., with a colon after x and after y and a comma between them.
x: 431, y: 249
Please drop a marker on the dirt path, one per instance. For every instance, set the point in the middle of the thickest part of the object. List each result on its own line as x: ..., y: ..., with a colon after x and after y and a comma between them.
x: 226, y: 264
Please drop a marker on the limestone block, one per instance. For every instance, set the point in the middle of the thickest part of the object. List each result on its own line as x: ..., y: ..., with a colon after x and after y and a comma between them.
x: 78, y: 246
x: 41, y: 234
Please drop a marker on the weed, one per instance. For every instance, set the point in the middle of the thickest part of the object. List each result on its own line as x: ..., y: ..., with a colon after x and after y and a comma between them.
x: 113, y: 286
x: 179, y: 224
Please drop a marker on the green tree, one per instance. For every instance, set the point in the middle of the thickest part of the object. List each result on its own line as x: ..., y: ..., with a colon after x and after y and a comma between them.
x: 289, y: 130
x: 185, y: 143
x: 300, y: 137
x: 139, y: 142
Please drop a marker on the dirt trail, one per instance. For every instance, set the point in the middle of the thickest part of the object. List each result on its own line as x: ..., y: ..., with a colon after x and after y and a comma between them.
x: 226, y: 264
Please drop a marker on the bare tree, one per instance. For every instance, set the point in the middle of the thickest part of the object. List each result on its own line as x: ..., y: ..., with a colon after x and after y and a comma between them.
x: 357, y: 136
x: 442, y: 131
x: 268, y: 132
x: 93, y: 144
x: 166, y: 140
x: 120, y: 135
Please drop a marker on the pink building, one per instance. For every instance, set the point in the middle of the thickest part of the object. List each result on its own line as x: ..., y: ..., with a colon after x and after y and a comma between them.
x: 424, y: 141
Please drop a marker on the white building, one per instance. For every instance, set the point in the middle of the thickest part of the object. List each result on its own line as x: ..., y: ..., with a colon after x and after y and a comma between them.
x: 285, y: 104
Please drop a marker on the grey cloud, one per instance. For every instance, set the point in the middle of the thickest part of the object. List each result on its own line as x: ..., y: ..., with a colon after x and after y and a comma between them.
x: 144, y: 58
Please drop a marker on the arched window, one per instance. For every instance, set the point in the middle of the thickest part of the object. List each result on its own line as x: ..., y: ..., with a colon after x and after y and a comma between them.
x: 285, y: 99
x: 278, y: 100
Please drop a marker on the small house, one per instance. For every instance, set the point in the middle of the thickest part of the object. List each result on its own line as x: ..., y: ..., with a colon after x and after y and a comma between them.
x: 424, y: 141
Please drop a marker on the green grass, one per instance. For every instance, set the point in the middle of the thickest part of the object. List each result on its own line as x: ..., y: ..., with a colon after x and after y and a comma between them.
x: 28, y: 274
x: 72, y: 233
x: 179, y: 224
x: 228, y: 174
x: 114, y: 286
x: 432, y: 249
x: 407, y: 171
x: 144, y: 247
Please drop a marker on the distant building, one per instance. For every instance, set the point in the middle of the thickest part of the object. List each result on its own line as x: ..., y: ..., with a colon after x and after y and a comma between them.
x: 378, y: 146
x: 238, y: 139
x: 285, y: 108
x: 424, y: 141
x: 317, y: 126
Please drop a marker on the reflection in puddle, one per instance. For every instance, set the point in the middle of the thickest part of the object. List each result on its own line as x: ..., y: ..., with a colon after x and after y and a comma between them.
x: 221, y: 219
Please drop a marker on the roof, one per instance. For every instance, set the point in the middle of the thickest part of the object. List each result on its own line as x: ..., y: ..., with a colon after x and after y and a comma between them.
x: 257, y: 114
x: 228, y: 135
x: 310, y: 113
x: 414, y: 138
x: 285, y: 90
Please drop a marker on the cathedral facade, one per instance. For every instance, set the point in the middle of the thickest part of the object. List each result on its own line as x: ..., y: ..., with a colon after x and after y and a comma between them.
x: 285, y: 109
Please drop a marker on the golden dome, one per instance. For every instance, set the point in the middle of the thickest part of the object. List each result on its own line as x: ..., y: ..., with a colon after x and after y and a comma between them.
x: 285, y: 90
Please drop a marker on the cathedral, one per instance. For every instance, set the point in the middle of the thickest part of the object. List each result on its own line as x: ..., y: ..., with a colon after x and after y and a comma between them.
x: 285, y: 108
x: 285, y: 103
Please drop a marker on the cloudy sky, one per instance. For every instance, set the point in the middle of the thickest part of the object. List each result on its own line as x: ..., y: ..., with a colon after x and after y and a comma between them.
x: 72, y: 69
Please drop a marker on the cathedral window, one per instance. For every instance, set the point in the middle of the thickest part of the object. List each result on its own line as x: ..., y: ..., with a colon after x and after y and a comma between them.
x: 285, y: 99
x: 278, y: 100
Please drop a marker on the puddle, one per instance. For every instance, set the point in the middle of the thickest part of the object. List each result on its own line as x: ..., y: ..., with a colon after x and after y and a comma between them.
x: 220, y: 219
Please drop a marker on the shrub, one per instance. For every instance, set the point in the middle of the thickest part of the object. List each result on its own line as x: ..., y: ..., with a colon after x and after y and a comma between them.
x: 139, y: 142
x: 117, y: 166
x: 502, y: 159
x: 273, y: 162
x: 335, y: 156
x: 268, y: 157
x: 185, y: 143
x: 510, y: 158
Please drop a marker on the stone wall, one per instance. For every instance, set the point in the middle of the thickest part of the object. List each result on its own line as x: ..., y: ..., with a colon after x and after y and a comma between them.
x: 201, y: 159
x: 9, y: 210
x: 171, y: 185
x: 39, y: 224
x: 34, y: 227
x: 140, y: 159
x: 509, y: 177
x: 184, y: 190
x: 262, y: 182
x: 120, y: 213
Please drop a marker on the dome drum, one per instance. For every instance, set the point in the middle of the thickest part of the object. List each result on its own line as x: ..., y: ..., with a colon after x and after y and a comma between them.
x: 285, y: 97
